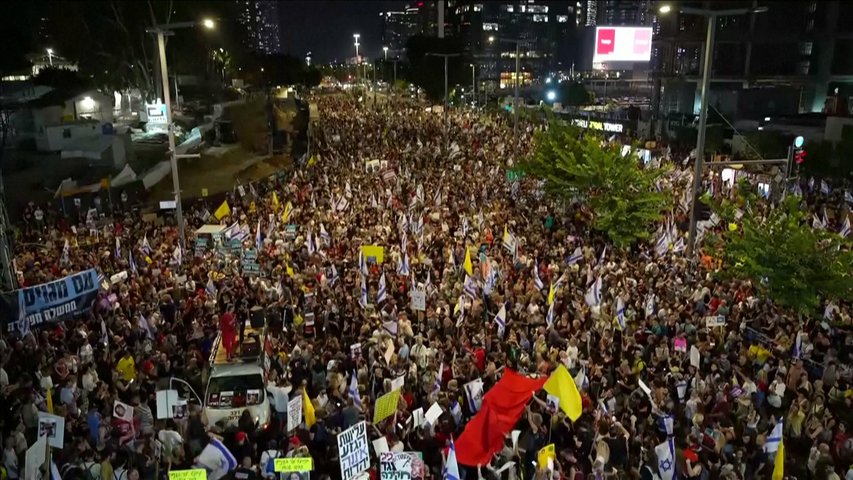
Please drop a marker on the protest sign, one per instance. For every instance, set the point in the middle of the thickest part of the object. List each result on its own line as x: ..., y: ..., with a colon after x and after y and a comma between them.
x: 301, y: 464
x: 398, y: 382
x: 53, y: 428
x: 194, y: 474
x: 680, y: 344
x: 250, y: 262
x: 386, y: 405
x: 715, y: 321
x: 419, y: 300
x: 123, y: 411
x: 50, y: 303
x: 380, y: 446
x: 401, y: 466
x: 433, y: 413
x: 353, y: 451
x: 548, y: 452
x: 294, y: 412
x: 373, y: 253
x: 34, y: 458
x: 166, y: 401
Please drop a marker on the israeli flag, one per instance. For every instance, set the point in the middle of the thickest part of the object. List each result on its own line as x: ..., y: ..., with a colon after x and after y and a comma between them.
x: 362, y: 263
x: 817, y: 224
x: 177, y: 256
x: 118, y: 248
x: 216, y: 459
x: 601, y: 258
x: 679, y: 246
x: 666, y: 461
x: 500, y: 319
x: 667, y: 423
x: 536, y: 279
x: 210, y: 288
x: 258, y: 241
x: 575, y: 257
x: 373, y: 203
x: 649, y: 306
x: 363, y: 300
x: 845, y: 227
x: 23, y: 321
x: 66, y: 252
x: 132, y: 263
x: 451, y: 468
x: 403, y: 267
x: 352, y: 390
x: 146, y: 247
x: 437, y: 198
x: 551, y: 315
x: 798, y: 345
x: 143, y: 324
x: 662, y: 244
x: 593, y: 293
x: 333, y: 276
x: 775, y: 438
x: 465, y: 227
x: 342, y: 205
x: 324, y: 235
x: 436, y: 387
x: 811, y: 183
x: 620, y: 313
x: 824, y: 188
x: 796, y: 190
x: 383, y: 292
x: 470, y: 286
x: 848, y: 197
x: 581, y: 380
x: 460, y: 310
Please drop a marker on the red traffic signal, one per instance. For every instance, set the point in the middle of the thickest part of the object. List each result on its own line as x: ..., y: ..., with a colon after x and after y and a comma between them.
x: 800, y: 156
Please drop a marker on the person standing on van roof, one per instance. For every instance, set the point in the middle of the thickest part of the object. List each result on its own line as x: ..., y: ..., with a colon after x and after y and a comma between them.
x: 228, y: 328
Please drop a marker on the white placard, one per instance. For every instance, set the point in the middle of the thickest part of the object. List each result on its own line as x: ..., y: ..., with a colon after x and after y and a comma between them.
x: 694, y: 356
x: 419, y: 300
x: 715, y: 321
x: 418, y: 417
x: 294, y: 412
x: 398, y: 382
x: 52, y: 427
x: 123, y: 411
x: 401, y: 466
x: 645, y: 388
x: 380, y: 446
x: 353, y: 451
x: 34, y: 458
x: 433, y: 413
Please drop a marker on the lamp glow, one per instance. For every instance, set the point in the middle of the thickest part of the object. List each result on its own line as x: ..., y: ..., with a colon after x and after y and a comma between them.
x: 665, y: 9
x: 208, y: 24
x: 551, y: 95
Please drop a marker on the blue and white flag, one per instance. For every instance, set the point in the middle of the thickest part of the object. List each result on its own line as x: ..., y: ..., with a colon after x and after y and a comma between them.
x: 146, y: 247
x: 824, y: 188
x: 679, y: 245
x: 470, y: 286
x: 575, y: 257
x: 132, y: 263
x: 665, y: 453
x: 796, y: 190
x: 272, y: 226
x: 210, y: 288
x: 451, y: 468
x: 333, y: 275
x: 817, y: 223
x: 258, y: 242
x: 602, y: 256
x: 552, y: 315
x: 324, y: 235
x: 662, y: 243
x: 436, y: 386
x: 459, y: 310
x: 437, y: 198
x: 342, y: 205
x: 403, y: 267
x: 536, y: 279
x: 373, y: 202
x: 143, y: 324
x: 798, y: 345
x: 620, y: 312
x: 593, y: 293
x: 775, y: 438
x: 363, y: 300
x: 500, y: 319
x: 667, y: 423
x: 118, y: 248
x: 362, y: 263
x: 845, y: 227
x: 383, y: 291
x: 848, y: 197
x: 66, y: 253
x: 352, y: 389
x: 216, y: 459
x: 23, y: 321
x: 311, y: 247
x: 649, y: 305
x: 177, y: 255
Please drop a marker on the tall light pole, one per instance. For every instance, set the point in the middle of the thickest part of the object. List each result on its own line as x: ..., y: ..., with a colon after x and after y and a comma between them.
x: 516, y: 80
x: 356, y: 36
x: 707, y: 63
x: 385, y: 51
x: 50, y: 56
x: 473, y: 84
x: 161, y: 31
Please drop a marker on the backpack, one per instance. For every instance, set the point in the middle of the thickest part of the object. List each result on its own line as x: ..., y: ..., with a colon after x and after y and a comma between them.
x: 270, y: 466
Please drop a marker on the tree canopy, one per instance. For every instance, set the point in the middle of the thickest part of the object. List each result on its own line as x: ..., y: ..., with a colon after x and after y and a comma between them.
x: 793, y: 264
x: 581, y: 166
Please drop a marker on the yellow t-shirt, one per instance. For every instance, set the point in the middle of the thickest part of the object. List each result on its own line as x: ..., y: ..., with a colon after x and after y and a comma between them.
x: 127, y: 368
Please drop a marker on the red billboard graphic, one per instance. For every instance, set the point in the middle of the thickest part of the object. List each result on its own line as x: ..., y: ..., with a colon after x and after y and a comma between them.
x: 621, y: 44
x: 605, y: 41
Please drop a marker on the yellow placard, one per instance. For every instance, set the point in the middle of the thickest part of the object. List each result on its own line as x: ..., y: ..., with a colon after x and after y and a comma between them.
x: 304, y: 464
x: 204, y: 192
x: 194, y: 474
x: 373, y: 253
x: 547, y: 452
x: 386, y: 405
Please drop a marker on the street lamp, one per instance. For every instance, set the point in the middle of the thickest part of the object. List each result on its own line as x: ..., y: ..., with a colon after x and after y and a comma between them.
x: 50, y: 56
x: 385, y: 51
x: 161, y: 31
x: 551, y: 95
x: 711, y: 15
x: 473, y: 84
x: 356, y: 37
x: 308, y: 58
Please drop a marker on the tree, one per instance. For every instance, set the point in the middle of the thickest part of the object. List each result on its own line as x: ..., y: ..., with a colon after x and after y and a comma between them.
x: 573, y: 94
x: 61, y: 78
x: 580, y: 165
x: 791, y: 263
x: 427, y: 71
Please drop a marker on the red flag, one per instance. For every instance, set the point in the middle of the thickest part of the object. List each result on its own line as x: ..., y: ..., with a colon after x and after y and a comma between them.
x: 502, y: 407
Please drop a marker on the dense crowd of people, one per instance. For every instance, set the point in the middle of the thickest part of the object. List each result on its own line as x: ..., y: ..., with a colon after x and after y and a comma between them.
x: 433, y: 191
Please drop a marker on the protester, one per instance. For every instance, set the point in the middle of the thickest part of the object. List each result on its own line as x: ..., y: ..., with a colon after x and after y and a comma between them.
x: 511, y: 282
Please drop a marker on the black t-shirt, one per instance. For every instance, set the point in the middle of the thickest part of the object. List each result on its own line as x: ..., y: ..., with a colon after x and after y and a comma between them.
x: 618, y: 451
x: 243, y: 473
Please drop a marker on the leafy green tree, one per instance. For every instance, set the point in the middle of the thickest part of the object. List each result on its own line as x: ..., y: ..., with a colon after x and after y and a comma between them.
x: 620, y: 193
x: 791, y: 263
x: 573, y: 94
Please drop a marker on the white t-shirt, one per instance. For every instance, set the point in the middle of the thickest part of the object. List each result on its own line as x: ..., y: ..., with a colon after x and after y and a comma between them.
x: 170, y: 439
x: 279, y: 397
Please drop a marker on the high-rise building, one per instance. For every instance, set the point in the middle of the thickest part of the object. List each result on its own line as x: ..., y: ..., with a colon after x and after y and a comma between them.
x: 261, y: 21
x: 397, y: 27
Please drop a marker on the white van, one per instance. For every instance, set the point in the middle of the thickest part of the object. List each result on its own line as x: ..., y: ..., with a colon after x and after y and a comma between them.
x: 239, y: 384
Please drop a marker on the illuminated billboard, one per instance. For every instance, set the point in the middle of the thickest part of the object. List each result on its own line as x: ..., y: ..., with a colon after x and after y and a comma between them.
x: 622, y: 44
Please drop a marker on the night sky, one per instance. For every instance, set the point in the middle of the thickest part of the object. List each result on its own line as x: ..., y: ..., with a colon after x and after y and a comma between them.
x: 325, y: 27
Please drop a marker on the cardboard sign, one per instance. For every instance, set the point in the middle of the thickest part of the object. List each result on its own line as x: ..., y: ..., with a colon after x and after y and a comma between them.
x: 123, y: 411
x: 52, y: 427
x: 715, y: 321
x: 433, y: 413
x: 302, y: 464
x: 386, y: 405
x: 419, y: 300
x: 353, y: 451
x: 401, y: 466
x: 294, y: 413
x: 166, y: 401
x: 373, y: 253
x: 194, y: 474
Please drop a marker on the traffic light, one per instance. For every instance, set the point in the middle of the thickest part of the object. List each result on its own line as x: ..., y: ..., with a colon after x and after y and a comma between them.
x: 799, y: 156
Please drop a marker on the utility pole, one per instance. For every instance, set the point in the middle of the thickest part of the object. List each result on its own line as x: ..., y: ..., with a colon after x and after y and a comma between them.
x: 446, y: 98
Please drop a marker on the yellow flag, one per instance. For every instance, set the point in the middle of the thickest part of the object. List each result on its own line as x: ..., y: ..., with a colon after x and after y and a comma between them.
x: 551, y: 293
x: 275, y: 203
x: 223, y: 211
x: 561, y: 385
x: 49, y: 400
x: 779, y: 463
x: 289, y: 270
x: 469, y: 268
x: 252, y: 207
x: 545, y: 453
x: 286, y: 214
x: 308, y: 410
x: 312, y: 160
